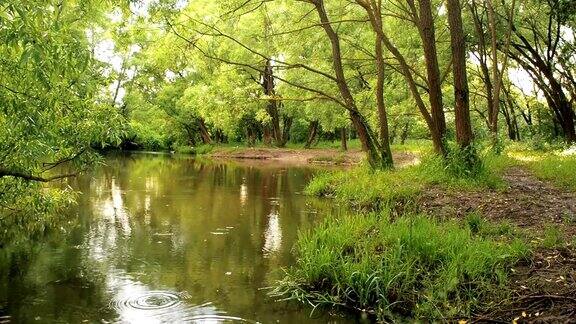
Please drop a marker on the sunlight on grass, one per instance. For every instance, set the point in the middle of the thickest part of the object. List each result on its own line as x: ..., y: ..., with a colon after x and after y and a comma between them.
x: 363, y: 188
x: 557, y: 165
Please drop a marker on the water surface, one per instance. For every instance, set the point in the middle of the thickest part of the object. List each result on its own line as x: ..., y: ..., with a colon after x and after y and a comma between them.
x: 158, y: 238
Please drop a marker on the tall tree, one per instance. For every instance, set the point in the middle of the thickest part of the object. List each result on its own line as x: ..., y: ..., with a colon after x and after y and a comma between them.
x: 52, y: 112
x: 377, y: 156
x: 486, y: 26
x: 461, y: 92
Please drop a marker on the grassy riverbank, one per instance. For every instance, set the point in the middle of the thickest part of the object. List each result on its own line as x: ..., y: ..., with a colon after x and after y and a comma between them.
x: 412, y: 266
x: 365, y: 189
x: 429, y: 242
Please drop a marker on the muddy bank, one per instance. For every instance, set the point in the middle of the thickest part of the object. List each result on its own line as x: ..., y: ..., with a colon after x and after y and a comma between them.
x: 543, y: 288
x: 305, y: 156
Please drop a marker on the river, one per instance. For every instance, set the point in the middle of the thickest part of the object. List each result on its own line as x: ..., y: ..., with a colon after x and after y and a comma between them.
x: 161, y: 238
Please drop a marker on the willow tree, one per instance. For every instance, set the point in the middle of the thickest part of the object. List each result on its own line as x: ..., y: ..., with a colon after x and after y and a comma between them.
x: 542, y: 44
x: 235, y: 27
x: 51, y: 110
x: 461, y: 91
x: 492, y: 36
x: 378, y: 151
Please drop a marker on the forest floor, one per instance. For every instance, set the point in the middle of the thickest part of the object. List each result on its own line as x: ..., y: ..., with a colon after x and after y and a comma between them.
x: 544, y: 288
x: 327, y: 156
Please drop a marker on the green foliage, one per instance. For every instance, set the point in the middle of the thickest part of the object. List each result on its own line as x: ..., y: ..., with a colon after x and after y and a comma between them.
x: 28, y: 212
x: 411, y: 266
x: 51, y: 110
x: 148, y: 138
x: 464, y: 162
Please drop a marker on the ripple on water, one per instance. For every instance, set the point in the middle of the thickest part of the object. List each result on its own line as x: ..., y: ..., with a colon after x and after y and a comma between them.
x: 166, y: 306
x: 152, y: 300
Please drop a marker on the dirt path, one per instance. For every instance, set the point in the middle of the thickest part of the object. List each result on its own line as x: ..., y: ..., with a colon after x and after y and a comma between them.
x: 305, y: 156
x: 544, y: 288
x: 526, y: 202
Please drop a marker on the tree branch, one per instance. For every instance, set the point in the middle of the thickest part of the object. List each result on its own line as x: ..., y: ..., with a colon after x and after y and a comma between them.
x: 4, y: 172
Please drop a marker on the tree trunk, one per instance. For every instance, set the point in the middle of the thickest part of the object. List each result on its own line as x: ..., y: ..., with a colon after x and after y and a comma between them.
x: 206, y: 139
x: 497, y: 71
x: 272, y: 106
x: 461, y: 92
x: 509, y: 126
x: 369, y: 141
x: 250, y: 136
x: 190, y: 134
x: 486, y: 77
x: 515, y: 133
x: 287, y: 125
x: 405, y: 132
x: 374, y: 13
x: 267, y: 135
x: 427, y: 34
x: 366, y: 137
x: 437, y: 131
x: 343, y: 139
x: 542, y: 67
x: 312, y: 133
x: 515, y: 122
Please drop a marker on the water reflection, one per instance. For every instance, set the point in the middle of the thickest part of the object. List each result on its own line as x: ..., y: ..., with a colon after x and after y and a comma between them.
x: 272, y: 235
x: 164, y: 239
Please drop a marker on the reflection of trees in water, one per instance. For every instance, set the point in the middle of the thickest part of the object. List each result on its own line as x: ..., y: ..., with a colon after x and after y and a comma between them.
x: 52, y: 268
x: 150, y: 219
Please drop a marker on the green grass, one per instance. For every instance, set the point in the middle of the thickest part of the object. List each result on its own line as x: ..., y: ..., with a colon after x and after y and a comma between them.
x: 363, y: 188
x: 553, y: 237
x: 352, y: 144
x: 421, y: 147
x: 561, y: 170
x: 556, y: 164
x: 478, y: 225
x: 410, y: 267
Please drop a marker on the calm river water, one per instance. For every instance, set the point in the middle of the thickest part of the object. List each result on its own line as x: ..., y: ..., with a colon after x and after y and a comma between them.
x: 157, y: 238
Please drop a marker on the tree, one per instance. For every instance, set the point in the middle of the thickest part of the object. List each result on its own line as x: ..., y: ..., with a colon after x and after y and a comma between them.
x: 493, y: 82
x: 541, y: 46
x: 461, y: 92
x: 52, y: 114
x: 378, y: 156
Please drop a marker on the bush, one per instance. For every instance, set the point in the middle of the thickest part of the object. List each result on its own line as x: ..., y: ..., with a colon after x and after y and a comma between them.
x: 148, y: 138
x: 412, y: 267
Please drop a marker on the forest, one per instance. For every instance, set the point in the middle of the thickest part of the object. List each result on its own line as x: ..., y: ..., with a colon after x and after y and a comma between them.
x: 448, y: 128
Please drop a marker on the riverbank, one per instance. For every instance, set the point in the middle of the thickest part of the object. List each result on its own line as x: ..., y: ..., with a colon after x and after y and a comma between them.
x: 324, y: 156
x: 521, y: 215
